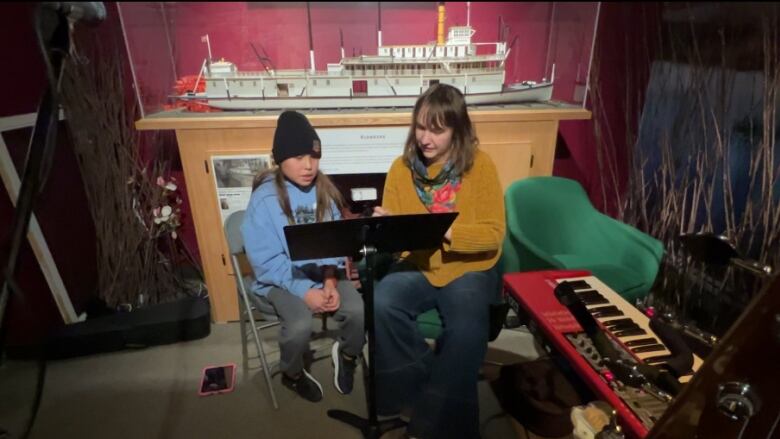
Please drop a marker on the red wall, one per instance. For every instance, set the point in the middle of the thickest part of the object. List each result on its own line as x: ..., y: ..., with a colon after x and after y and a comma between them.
x: 282, y: 29
x: 624, y: 48
x: 27, y: 72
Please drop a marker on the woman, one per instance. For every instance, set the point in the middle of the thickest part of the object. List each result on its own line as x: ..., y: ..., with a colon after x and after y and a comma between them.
x: 296, y: 192
x: 441, y: 170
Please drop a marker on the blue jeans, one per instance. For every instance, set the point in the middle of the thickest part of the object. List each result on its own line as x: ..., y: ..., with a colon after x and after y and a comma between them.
x: 440, y: 387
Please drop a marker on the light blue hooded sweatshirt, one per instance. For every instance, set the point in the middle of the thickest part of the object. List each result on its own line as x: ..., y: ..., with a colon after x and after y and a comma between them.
x: 266, y: 246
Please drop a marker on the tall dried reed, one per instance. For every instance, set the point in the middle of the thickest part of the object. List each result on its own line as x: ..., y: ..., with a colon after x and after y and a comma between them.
x: 684, y: 165
x: 133, y: 257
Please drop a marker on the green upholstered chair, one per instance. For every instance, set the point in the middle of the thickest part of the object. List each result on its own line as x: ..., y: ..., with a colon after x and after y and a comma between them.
x: 429, y: 322
x: 551, y: 223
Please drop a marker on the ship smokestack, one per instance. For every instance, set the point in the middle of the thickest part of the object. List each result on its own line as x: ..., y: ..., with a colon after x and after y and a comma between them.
x: 311, y: 40
x: 379, y: 26
x: 341, y: 42
x: 440, y: 31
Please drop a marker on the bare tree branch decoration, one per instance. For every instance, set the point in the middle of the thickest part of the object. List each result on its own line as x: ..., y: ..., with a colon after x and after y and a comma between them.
x: 685, y: 181
x: 128, y: 202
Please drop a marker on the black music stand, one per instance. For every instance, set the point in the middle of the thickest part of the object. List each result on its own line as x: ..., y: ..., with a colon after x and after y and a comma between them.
x: 365, y: 237
x: 718, y: 250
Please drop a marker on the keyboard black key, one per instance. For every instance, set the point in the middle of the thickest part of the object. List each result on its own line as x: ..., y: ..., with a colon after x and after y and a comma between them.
x: 641, y: 342
x: 578, y: 284
x: 630, y: 332
x: 657, y: 359
x: 588, y: 293
x: 615, y: 322
x: 608, y: 313
x: 594, y: 301
x: 622, y: 326
x: 605, y: 311
x: 649, y: 348
x: 592, y: 297
x: 603, y: 308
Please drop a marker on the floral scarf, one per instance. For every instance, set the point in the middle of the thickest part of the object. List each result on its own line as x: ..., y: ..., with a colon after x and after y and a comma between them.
x: 437, y: 194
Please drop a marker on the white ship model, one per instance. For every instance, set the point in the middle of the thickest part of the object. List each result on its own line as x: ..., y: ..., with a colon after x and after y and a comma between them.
x: 394, y: 77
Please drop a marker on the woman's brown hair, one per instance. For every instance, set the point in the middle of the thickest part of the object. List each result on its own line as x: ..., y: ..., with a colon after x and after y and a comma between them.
x: 327, y: 193
x: 443, y: 106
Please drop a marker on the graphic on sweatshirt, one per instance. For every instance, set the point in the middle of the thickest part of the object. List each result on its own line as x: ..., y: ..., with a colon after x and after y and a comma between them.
x: 305, y: 214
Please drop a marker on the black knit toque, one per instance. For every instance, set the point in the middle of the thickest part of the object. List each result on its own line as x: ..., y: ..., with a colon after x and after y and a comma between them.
x: 295, y: 136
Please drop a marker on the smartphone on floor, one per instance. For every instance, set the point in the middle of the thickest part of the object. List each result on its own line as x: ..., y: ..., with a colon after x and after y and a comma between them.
x: 217, y: 379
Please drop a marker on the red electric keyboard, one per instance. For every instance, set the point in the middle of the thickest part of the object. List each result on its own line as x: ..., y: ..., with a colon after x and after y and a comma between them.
x: 532, y: 294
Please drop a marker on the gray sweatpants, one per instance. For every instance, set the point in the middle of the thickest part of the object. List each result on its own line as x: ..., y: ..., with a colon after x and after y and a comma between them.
x: 295, y: 318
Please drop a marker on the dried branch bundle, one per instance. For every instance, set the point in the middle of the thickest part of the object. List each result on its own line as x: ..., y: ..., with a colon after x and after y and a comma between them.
x: 688, y: 170
x: 132, y: 269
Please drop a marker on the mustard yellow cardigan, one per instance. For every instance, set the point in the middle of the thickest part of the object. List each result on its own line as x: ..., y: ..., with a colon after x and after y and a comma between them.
x: 478, y: 231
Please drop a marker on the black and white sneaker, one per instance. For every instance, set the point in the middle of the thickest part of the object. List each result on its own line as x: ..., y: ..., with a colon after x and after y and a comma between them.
x: 306, y: 386
x: 343, y: 370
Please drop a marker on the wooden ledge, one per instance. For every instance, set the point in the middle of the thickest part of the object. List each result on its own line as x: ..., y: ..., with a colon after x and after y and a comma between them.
x: 341, y: 118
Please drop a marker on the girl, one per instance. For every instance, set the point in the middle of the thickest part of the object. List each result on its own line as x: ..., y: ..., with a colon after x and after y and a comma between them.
x: 296, y: 192
x: 441, y: 170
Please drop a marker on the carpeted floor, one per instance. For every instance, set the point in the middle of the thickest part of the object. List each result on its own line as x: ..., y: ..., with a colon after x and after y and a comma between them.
x: 153, y: 393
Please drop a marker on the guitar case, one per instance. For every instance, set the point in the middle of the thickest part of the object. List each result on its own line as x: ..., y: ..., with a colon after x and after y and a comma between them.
x: 181, y: 320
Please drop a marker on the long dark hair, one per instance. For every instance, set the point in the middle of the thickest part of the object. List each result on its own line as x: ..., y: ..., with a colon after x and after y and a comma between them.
x: 327, y: 193
x: 445, y: 107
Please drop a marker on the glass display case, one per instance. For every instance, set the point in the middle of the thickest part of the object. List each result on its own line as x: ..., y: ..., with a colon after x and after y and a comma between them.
x: 254, y: 56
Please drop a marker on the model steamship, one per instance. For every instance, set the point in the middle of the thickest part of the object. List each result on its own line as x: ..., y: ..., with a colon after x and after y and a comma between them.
x: 394, y: 77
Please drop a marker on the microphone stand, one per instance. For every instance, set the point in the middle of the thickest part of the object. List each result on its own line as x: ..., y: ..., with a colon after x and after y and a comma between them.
x: 53, y: 21
x: 371, y: 428
x: 53, y: 33
x: 368, y: 237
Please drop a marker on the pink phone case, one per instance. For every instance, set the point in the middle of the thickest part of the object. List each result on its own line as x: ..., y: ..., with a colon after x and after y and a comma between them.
x: 229, y: 381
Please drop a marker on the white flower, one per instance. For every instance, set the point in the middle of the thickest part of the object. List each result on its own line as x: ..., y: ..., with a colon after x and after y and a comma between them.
x: 163, y: 214
x: 170, y: 186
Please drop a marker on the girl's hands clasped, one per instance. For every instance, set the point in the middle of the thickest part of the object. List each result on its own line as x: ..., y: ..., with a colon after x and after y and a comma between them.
x: 325, y: 299
x: 315, y: 299
x: 332, y: 297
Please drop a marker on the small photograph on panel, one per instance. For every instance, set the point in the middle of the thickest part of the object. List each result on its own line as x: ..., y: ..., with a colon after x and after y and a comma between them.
x: 239, y: 172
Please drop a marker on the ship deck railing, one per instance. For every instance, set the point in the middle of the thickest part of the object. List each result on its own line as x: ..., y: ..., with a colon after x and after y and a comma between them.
x: 363, y: 72
x: 378, y: 59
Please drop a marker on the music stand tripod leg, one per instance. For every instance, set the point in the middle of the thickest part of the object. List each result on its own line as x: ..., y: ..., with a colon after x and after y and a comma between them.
x: 371, y: 428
